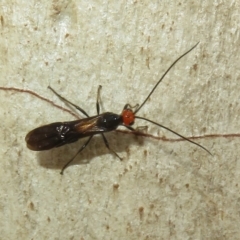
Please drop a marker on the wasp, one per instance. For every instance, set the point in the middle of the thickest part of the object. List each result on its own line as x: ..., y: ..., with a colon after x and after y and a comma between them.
x: 60, y: 133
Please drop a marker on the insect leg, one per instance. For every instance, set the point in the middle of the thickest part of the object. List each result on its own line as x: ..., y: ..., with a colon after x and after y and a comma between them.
x: 98, y: 99
x: 81, y: 149
x: 137, y: 129
x: 107, y: 145
x: 128, y: 106
x: 141, y: 128
x: 130, y: 128
x: 98, y: 112
x: 67, y: 101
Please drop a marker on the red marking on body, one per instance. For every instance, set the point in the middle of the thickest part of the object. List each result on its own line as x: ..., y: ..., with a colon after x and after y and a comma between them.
x: 128, y: 117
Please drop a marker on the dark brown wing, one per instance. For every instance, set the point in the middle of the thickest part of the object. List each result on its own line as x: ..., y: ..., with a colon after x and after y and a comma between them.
x: 51, y: 135
x: 59, y: 133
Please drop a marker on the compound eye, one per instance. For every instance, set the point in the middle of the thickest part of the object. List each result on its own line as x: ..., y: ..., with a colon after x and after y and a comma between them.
x: 128, y: 117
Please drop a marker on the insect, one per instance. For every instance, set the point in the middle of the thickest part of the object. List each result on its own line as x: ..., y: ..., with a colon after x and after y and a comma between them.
x: 60, y: 133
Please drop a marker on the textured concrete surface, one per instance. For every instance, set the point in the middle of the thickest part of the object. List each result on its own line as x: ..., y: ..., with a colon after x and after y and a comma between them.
x: 161, y: 190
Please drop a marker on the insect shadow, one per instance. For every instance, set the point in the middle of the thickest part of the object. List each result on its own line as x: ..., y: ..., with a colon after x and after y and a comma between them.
x: 56, y: 158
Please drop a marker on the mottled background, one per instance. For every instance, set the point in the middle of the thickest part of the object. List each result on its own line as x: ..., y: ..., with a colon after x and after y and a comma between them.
x: 161, y: 190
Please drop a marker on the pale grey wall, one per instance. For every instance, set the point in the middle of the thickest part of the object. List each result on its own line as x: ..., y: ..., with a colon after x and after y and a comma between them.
x: 166, y: 190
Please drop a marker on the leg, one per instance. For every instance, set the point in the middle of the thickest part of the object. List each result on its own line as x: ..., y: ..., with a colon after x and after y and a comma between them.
x: 128, y: 106
x: 65, y: 100
x: 107, y: 145
x: 141, y: 128
x: 130, y: 128
x: 82, y: 147
x: 137, y: 129
x: 98, y: 99
x: 98, y: 111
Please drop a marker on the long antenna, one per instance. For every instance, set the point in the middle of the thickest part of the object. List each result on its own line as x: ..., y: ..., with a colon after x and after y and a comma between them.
x: 170, y: 130
x: 163, y: 77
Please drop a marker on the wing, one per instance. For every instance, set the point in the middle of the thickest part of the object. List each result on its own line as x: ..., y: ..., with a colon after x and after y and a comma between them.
x: 53, y: 135
x: 61, y: 133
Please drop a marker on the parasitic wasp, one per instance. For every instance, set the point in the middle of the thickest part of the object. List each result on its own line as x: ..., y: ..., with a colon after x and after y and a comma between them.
x: 60, y: 133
